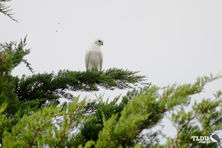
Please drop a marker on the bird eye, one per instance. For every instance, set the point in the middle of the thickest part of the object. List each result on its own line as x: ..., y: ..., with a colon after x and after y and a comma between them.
x: 99, y: 41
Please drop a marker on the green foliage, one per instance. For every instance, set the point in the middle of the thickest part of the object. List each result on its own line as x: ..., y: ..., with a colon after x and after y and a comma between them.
x: 38, y: 129
x: 11, y: 54
x: 119, y: 124
x: 206, y: 114
x: 21, y: 100
x: 6, y: 9
x: 97, y: 124
x: 49, y: 87
x: 5, y: 123
x: 94, y: 124
x: 30, y: 93
x: 26, y: 120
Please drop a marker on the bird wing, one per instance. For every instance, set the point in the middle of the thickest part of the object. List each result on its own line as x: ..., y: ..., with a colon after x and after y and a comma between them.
x: 101, y: 61
x: 87, y: 56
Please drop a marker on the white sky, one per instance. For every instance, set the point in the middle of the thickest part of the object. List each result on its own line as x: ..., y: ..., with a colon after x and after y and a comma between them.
x: 168, y: 41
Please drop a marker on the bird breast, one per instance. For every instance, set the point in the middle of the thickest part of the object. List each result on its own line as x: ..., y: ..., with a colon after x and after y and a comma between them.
x: 95, y: 57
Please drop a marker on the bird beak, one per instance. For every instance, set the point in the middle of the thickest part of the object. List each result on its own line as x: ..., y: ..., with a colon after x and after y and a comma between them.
x: 101, y: 43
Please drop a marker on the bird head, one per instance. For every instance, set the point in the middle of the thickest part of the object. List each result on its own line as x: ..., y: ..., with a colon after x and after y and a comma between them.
x: 98, y: 42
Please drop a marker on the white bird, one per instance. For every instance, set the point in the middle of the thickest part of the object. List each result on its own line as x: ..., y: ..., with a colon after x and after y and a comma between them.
x: 94, y: 57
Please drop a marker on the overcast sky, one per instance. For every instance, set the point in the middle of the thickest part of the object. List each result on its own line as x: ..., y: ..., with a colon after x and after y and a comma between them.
x: 166, y: 40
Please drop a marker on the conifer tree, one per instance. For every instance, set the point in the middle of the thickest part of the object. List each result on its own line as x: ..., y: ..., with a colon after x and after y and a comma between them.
x: 6, y: 10
x: 26, y: 120
x: 22, y: 97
